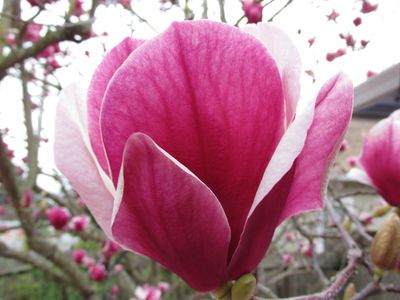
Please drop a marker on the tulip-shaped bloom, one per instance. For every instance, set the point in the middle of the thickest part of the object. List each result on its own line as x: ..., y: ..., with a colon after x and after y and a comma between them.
x: 380, y: 159
x: 190, y: 150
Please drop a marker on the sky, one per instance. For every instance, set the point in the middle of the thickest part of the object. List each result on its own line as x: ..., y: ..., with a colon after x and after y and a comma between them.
x: 382, y: 28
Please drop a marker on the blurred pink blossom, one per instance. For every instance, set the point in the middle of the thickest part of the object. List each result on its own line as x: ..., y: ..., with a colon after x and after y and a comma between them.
x: 357, y: 21
x: 88, y: 261
x: 78, y: 255
x: 58, y: 217
x: 253, y: 10
x: 109, y: 249
x: 287, y: 259
x: 367, y: 7
x: 79, y: 223
x: 3, y: 210
x: 32, y: 33
x: 97, y: 272
x: 147, y: 292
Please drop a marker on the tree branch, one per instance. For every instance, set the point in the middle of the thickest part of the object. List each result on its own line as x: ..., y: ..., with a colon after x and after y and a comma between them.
x: 65, y: 33
x: 221, y: 4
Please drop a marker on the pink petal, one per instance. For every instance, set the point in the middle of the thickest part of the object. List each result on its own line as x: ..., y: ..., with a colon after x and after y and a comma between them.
x: 332, y: 116
x: 302, y: 187
x: 380, y: 157
x: 359, y: 175
x: 104, y: 72
x: 74, y: 157
x: 259, y: 229
x: 287, y: 58
x: 215, y: 107
x: 166, y: 213
x: 289, y: 148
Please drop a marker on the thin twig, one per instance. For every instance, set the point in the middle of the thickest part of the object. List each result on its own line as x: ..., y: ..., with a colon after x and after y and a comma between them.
x: 375, y: 288
x: 67, y: 32
x: 221, y: 4
x: 32, y: 139
x: 338, y: 283
x: 280, y: 10
x: 204, y: 15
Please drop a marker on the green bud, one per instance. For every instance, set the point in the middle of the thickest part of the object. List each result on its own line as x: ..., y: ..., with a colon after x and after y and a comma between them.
x: 243, y: 288
x: 385, y: 246
x: 349, y: 292
x: 223, y: 293
x: 381, y: 210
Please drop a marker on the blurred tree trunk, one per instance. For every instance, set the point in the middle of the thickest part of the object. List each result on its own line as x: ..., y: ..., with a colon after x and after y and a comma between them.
x: 10, y: 15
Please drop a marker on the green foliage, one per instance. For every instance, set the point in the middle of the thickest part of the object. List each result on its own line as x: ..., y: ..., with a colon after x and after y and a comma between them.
x: 34, y: 285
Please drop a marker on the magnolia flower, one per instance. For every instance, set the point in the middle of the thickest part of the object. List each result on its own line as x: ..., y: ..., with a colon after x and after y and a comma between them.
x: 379, y: 160
x: 190, y: 151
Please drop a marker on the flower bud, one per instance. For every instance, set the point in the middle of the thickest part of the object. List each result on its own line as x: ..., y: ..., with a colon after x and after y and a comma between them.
x: 349, y: 292
x: 118, y: 268
x: 58, y: 217
x: 385, y: 246
x: 114, y: 290
x: 3, y: 210
x: 287, y: 259
x: 289, y: 236
x: 243, y: 288
x: 109, y: 249
x: 347, y: 224
x: 97, y: 272
x: 78, y: 255
x: 163, y: 286
x: 88, y: 261
x: 253, y: 10
x: 28, y: 199
x: 381, y: 210
x: 223, y: 292
x: 80, y: 223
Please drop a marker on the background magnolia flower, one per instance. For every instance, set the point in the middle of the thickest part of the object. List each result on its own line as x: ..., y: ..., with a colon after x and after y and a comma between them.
x: 190, y: 151
x: 380, y: 159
